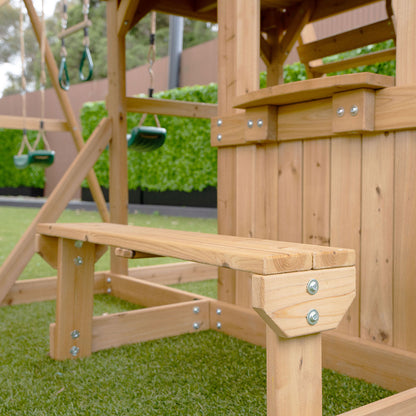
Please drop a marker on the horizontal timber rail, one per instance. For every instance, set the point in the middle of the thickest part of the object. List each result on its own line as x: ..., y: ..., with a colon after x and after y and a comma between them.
x: 170, y: 107
x: 32, y: 123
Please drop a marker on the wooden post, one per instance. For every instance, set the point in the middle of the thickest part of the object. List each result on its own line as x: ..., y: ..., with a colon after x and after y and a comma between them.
x: 118, y: 145
x: 74, y: 301
x: 404, y: 286
x: 75, y: 129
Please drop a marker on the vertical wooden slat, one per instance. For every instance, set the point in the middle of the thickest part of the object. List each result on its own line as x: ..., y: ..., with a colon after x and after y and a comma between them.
x: 377, y: 238
x: 74, y: 301
x: 290, y: 191
x: 404, y: 192
x: 117, y: 111
x: 316, y: 191
x: 345, y: 222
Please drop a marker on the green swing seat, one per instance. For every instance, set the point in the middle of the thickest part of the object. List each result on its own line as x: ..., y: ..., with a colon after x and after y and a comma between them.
x: 146, y: 138
x: 41, y: 158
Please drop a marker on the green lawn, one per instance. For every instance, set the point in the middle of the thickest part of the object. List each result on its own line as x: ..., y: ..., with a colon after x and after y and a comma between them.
x: 205, y: 373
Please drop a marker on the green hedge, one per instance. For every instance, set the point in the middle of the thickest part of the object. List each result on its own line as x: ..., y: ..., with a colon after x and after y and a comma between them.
x: 186, y: 161
x: 10, y: 177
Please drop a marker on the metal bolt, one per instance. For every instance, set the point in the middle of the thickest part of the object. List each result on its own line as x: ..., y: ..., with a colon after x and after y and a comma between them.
x: 250, y: 123
x: 108, y: 279
x: 74, y: 351
x: 219, y: 325
x: 340, y: 111
x: 196, y: 309
x: 312, y: 317
x: 219, y: 123
x: 312, y: 287
x: 78, y: 261
x: 354, y: 110
x: 219, y: 137
x: 109, y: 290
x: 75, y: 334
x: 126, y: 22
x: 219, y: 311
x: 259, y: 123
x: 196, y: 325
x: 78, y: 244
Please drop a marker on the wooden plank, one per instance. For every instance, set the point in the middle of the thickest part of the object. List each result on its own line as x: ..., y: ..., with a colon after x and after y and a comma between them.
x: 169, y: 274
x: 294, y: 375
x: 39, y: 290
x: 118, y: 187
x: 131, y: 327
x: 404, y: 196
x: 180, y: 244
x: 75, y: 28
x: 290, y: 191
x: 74, y: 301
x: 69, y: 114
x: 56, y: 203
x: 146, y: 294
x: 377, y: 238
x: 360, y: 60
x: 345, y: 209
x: 325, y: 8
x: 126, y: 10
x: 284, y: 302
x: 316, y: 191
x: 131, y: 254
x: 388, y: 367
x: 174, y: 108
x: 401, y: 404
x: 312, y: 89
x: 32, y: 123
x: 352, y: 39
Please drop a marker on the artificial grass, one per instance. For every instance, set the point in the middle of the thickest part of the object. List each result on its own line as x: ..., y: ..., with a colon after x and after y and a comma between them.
x: 204, y: 373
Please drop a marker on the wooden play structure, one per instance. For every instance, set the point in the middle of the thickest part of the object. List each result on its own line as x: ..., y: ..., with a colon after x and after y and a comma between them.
x: 302, y: 168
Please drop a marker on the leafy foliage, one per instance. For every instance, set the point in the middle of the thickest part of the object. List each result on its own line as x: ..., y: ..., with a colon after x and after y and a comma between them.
x: 185, y: 162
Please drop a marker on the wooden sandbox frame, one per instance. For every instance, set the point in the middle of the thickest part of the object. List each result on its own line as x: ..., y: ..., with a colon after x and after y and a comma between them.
x: 292, y: 166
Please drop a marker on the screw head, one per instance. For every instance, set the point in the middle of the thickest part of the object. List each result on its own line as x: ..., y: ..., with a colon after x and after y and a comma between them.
x: 196, y: 309
x: 340, y: 111
x: 250, y: 123
x: 109, y: 290
x: 312, y: 317
x: 219, y: 311
x: 78, y: 244
x: 219, y: 325
x: 74, y: 351
x: 219, y: 137
x: 78, y: 261
x: 354, y: 110
x: 75, y: 334
x: 312, y: 287
x: 259, y: 123
x: 219, y: 123
x: 196, y: 325
x: 108, y: 279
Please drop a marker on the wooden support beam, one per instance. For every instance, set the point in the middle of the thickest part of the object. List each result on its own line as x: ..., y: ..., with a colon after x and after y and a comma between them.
x: 75, y: 28
x: 126, y: 10
x: 170, y: 107
x: 132, y: 254
x: 56, y: 203
x: 70, y: 117
x: 39, y: 290
x: 265, y: 50
x: 32, y: 123
x: 401, y: 404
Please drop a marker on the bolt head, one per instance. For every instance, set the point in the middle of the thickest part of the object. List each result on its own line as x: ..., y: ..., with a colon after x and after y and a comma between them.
x: 354, y: 110
x: 75, y: 334
x: 250, y: 123
x: 340, y: 111
x: 108, y: 279
x: 312, y: 317
x: 219, y: 123
x: 219, y: 311
x: 259, y: 123
x: 196, y: 325
x: 219, y: 325
x: 78, y: 244
x: 74, y: 351
x: 196, y: 309
x: 219, y: 137
x: 78, y: 261
x: 312, y: 287
x: 109, y: 290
